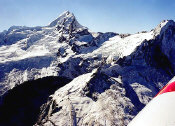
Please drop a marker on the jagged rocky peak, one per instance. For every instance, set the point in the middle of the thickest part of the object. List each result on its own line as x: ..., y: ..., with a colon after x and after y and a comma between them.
x: 165, y: 24
x: 167, y: 41
x: 66, y: 21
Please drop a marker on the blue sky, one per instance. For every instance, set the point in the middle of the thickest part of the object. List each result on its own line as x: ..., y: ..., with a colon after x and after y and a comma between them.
x: 121, y: 16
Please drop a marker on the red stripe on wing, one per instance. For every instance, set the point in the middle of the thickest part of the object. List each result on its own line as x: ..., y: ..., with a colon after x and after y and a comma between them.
x: 167, y: 88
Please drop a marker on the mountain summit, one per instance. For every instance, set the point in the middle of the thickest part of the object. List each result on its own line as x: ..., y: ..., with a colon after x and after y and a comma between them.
x: 64, y: 74
x: 165, y: 24
x: 66, y: 20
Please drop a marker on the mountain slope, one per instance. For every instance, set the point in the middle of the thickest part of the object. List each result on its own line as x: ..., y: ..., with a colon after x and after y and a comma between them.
x: 32, y: 53
x: 113, y: 75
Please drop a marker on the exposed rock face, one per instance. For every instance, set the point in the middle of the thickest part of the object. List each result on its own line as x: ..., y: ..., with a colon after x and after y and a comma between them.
x: 167, y: 39
x: 113, y: 76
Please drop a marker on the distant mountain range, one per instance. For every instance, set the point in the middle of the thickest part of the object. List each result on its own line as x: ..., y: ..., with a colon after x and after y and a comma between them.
x: 64, y: 74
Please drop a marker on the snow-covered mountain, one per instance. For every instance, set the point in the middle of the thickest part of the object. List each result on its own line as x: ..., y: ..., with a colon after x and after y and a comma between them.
x: 98, y: 78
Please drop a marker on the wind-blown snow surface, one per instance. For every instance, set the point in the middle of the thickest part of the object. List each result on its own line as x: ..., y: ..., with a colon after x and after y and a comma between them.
x: 113, y: 76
